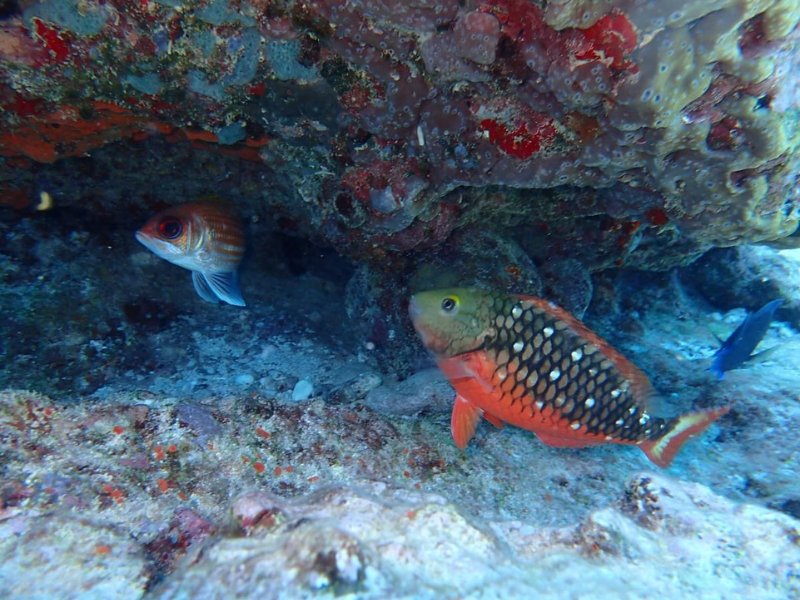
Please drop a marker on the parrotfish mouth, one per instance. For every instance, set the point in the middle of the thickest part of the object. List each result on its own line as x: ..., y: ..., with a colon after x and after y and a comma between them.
x: 415, y: 313
x: 413, y: 310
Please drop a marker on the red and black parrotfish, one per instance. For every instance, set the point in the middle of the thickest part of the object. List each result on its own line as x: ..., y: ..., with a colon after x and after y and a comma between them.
x: 206, y: 237
x: 524, y: 361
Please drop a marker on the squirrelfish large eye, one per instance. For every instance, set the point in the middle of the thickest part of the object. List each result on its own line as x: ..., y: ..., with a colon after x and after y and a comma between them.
x: 449, y: 304
x: 170, y: 228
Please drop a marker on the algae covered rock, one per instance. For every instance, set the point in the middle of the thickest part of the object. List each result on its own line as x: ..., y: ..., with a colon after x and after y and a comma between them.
x: 614, y: 132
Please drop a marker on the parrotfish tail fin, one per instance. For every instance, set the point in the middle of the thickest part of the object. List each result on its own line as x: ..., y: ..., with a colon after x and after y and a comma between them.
x: 661, y: 451
x: 225, y: 285
x: 202, y: 288
x: 464, y: 421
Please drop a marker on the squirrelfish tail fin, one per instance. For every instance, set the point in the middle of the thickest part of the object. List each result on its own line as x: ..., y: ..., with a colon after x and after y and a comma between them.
x: 661, y: 451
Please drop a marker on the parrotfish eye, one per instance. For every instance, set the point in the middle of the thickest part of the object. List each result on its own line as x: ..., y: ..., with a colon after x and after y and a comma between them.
x: 170, y: 228
x: 449, y: 304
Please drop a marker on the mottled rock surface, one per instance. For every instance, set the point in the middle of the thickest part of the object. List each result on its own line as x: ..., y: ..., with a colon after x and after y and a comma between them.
x: 372, y: 541
x: 424, y: 391
x: 59, y: 554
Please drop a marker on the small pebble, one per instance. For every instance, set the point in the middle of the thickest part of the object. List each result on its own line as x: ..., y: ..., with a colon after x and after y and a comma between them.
x: 303, y: 390
x: 244, y: 379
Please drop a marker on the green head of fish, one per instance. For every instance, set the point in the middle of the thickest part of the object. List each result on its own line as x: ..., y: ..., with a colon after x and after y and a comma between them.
x: 454, y: 321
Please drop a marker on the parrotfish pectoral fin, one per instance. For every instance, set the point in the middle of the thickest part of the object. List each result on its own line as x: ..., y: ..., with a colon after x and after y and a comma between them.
x: 663, y: 450
x: 464, y: 368
x: 225, y: 286
x: 202, y: 289
x: 464, y: 421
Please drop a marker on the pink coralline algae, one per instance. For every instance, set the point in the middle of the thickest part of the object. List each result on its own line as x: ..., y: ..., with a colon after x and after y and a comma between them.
x: 516, y: 129
x: 54, y: 41
x: 397, y: 104
x: 519, y: 140
x: 611, y: 40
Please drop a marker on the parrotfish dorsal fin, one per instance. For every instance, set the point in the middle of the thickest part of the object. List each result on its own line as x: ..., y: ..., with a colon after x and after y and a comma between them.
x: 640, y: 384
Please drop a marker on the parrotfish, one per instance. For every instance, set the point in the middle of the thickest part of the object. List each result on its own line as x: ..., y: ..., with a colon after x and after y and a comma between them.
x: 524, y: 361
x: 206, y: 237
x: 739, y: 346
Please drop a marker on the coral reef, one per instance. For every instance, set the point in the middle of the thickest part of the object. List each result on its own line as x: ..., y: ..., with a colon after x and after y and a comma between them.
x: 156, y: 445
x: 172, y: 444
x: 45, y: 555
x: 634, y: 133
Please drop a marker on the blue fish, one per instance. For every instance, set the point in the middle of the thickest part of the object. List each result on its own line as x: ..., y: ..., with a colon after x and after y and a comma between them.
x: 738, y: 347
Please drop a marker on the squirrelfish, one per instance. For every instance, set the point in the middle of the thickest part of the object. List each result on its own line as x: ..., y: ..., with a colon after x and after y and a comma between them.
x: 524, y: 361
x: 206, y: 237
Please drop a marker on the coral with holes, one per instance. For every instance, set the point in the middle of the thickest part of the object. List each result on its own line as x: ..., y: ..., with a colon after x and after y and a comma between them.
x: 684, y: 108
